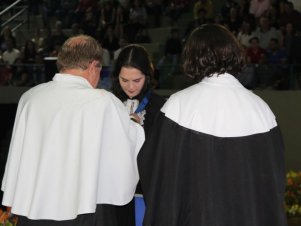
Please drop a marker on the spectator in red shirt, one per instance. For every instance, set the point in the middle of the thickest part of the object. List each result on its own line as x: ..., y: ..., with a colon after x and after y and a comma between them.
x: 255, y: 54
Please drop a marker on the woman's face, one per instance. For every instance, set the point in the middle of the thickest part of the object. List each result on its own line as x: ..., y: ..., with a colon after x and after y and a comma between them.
x: 131, y: 81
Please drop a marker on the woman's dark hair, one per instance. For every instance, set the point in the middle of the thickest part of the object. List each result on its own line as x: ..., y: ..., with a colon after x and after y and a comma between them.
x: 212, y: 49
x: 132, y: 56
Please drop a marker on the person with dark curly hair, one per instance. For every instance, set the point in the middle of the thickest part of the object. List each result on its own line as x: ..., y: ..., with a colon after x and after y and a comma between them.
x: 215, y: 154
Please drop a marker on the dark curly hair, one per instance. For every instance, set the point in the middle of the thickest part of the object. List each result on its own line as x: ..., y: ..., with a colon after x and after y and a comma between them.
x: 212, y: 49
x: 132, y: 56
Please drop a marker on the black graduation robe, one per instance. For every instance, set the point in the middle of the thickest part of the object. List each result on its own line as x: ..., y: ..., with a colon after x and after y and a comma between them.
x: 126, y: 214
x: 214, y: 157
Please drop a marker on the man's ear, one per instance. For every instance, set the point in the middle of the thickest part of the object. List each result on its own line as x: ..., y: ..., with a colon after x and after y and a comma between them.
x: 90, y: 66
x: 93, y: 63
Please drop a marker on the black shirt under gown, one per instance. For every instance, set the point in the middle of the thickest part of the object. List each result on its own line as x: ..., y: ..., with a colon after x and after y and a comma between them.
x: 127, y: 213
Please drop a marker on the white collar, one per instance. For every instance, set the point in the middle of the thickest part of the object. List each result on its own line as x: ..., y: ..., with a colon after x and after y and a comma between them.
x: 63, y: 77
x: 225, y: 79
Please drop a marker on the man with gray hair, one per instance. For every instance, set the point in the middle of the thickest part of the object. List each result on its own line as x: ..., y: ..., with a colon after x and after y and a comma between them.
x: 72, y: 157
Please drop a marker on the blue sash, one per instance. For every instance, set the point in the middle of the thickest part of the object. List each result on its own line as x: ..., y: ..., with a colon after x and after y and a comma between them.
x: 143, y: 103
x: 139, y: 210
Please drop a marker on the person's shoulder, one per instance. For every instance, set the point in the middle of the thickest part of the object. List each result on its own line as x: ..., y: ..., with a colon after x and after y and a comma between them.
x: 100, y: 94
x: 184, y: 93
x: 34, y: 89
x: 157, y: 98
x: 109, y: 96
x: 101, y: 98
x: 181, y: 97
x: 32, y: 93
x: 259, y: 103
x: 155, y: 102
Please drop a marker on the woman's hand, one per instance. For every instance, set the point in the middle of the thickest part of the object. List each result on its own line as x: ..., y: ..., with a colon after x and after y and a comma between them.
x: 135, y: 117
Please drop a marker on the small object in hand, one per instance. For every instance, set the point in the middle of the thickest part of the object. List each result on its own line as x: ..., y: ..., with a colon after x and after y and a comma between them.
x: 135, y: 117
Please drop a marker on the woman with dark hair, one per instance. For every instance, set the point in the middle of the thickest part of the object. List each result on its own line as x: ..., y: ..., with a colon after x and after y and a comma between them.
x: 215, y: 154
x: 29, y: 52
x: 133, y: 74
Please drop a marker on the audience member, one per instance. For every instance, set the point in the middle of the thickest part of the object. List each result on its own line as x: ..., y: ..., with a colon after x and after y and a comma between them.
x: 6, y: 73
x: 296, y: 49
x: 226, y: 6
x: 21, y: 76
x: 246, y: 32
x: 38, y: 39
x: 244, y: 8
x: 58, y: 36
x: 259, y: 7
x: 273, y: 13
x: 137, y: 19
x: 290, y: 15
x: 155, y: 10
x: 254, y: 53
x: 275, y: 54
x: 50, y: 10
x: 122, y: 43
x: 276, y: 58
x: 172, y: 53
x: 110, y: 40
x: 106, y: 57
x: 233, y: 20
x: 202, y: 19
x: 265, y: 32
x: 203, y: 4
x: 80, y: 10
x: 287, y: 40
x: 89, y: 22
x: 47, y: 44
x: 66, y: 11
x: 256, y: 64
x: 122, y: 19
x: 107, y: 16
x: 11, y: 53
x: 29, y: 52
x: 174, y: 9
x: 6, y: 33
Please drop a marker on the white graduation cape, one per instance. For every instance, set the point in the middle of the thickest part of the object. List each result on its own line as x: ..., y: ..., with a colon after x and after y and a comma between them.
x: 72, y: 147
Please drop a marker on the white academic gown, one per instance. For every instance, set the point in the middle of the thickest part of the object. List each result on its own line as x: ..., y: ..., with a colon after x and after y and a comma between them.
x: 72, y: 147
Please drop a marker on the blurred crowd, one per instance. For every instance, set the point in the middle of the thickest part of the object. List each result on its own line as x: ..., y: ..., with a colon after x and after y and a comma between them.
x: 269, y: 30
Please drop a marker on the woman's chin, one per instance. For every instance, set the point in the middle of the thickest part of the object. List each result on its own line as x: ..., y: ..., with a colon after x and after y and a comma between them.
x: 131, y: 96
